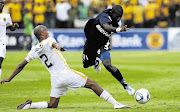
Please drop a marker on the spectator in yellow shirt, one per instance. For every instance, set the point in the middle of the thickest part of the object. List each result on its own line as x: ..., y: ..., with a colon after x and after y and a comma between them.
x: 150, y: 14
x: 42, y: 2
x: 138, y: 15
x: 164, y: 13
x: 128, y: 11
x: 28, y: 5
x: 39, y: 10
x: 16, y: 13
x: 133, y: 2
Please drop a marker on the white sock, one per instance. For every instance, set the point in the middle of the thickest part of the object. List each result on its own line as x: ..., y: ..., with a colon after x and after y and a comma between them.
x: 107, y: 97
x: 0, y: 73
x: 39, y: 105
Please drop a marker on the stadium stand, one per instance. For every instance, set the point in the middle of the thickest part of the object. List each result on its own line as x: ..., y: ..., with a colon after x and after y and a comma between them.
x: 152, y: 13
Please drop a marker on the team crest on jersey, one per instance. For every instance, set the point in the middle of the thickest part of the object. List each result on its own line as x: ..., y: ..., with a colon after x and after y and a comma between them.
x: 4, y: 19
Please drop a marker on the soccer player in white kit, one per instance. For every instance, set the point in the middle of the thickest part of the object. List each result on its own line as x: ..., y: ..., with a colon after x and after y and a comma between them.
x: 5, y: 22
x: 48, y: 51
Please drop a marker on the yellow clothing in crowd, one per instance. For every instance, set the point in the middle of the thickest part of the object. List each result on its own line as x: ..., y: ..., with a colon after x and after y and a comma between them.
x: 128, y: 11
x: 6, y: 8
x: 39, y: 1
x: 165, y: 11
x: 133, y: 2
x: 115, y: 2
x: 39, y: 14
x: 16, y: 12
x: 150, y: 11
x: 28, y: 6
x: 138, y: 12
x: 74, y: 3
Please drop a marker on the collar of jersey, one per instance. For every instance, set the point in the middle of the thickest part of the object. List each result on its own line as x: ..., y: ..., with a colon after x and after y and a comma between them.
x: 40, y: 42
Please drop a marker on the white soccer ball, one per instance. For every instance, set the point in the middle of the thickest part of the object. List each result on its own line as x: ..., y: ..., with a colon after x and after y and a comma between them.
x: 142, y: 96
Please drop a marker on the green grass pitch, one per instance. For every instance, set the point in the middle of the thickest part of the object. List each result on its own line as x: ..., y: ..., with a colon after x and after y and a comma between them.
x: 157, y: 71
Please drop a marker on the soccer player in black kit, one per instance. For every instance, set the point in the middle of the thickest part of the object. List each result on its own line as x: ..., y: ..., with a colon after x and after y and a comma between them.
x: 98, y: 32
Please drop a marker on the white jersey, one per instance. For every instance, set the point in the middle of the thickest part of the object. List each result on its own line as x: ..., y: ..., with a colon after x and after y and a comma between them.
x: 52, y: 58
x: 62, y: 77
x: 5, y: 21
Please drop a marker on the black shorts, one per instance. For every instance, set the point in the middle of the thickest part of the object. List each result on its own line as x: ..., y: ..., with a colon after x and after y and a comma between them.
x: 90, y: 53
x: 94, y: 45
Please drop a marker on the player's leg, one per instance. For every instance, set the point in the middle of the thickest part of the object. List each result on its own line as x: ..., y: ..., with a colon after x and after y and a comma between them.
x: 106, y: 60
x: 89, y: 55
x: 80, y: 80
x: 2, y: 55
x: 56, y: 92
x: 103, y: 94
x: 1, y: 60
x: 39, y: 105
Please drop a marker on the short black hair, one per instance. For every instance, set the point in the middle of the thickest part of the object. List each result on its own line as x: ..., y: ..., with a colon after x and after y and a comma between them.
x: 38, y: 30
x: 118, y: 10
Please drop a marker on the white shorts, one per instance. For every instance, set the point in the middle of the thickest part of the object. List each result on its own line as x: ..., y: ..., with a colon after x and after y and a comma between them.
x: 2, y: 50
x: 71, y: 79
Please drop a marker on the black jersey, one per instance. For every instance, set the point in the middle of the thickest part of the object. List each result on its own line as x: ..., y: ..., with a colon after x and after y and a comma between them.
x: 98, y: 39
x: 95, y: 33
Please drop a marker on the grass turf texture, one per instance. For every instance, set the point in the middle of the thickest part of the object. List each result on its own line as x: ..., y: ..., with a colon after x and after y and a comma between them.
x: 157, y: 71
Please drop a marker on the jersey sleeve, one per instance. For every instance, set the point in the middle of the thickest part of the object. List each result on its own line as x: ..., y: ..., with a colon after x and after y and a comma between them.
x: 51, y: 40
x: 9, y: 21
x: 104, y: 18
x: 30, y: 55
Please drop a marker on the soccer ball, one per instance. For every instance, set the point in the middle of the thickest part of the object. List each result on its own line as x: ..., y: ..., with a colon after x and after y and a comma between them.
x: 142, y: 96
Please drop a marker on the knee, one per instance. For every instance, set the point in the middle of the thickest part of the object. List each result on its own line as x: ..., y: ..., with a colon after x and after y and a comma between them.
x: 109, y: 67
x: 90, y: 84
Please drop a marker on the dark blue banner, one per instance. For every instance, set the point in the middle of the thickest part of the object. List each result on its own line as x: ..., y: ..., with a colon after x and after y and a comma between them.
x: 140, y: 39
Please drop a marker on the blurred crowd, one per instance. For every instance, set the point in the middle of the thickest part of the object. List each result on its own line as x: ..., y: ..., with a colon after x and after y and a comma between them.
x: 75, y: 13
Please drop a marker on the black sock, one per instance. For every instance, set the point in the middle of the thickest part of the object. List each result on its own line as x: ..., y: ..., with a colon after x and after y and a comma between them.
x: 120, y: 78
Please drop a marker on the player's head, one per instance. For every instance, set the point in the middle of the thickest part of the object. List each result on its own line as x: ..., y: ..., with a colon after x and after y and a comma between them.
x: 1, y: 5
x: 116, y: 13
x: 41, y: 32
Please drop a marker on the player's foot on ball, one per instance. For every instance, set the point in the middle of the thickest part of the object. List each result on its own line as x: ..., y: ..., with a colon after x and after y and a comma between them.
x: 130, y: 90
x: 120, y: 106
x: 97, y: 66
x: 25, y: 105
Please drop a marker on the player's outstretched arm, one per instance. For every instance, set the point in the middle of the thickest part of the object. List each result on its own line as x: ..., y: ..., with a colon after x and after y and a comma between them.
x: 125, y: 28
x: 14, y: 27
x: 57, y: 46
x: 16, y: 71
x: 110, y: 28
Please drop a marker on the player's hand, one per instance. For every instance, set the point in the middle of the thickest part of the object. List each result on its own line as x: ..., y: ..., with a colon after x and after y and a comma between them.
x: 5, y: 80
x: 16, y: 25
x: 62, y: 49
x: 125, y: 28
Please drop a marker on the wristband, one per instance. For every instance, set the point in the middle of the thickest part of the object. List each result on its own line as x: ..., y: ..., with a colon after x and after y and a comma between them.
x: 118, y: 29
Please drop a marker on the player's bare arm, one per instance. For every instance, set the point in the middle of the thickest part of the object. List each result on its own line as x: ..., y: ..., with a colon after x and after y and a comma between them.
x: 110, y: 28
x: 57, y: 46
x: 18, y: 69
x: 14, y: 27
